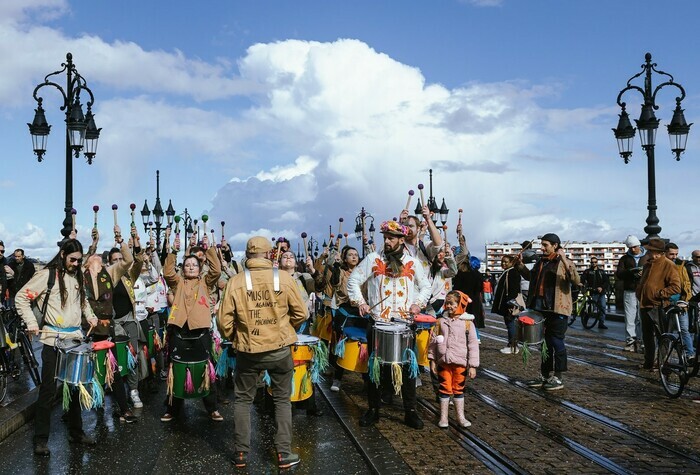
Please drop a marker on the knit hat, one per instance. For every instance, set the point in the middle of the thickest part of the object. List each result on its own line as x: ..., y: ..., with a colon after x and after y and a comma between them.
x: 474, y: 262
x: 551, y: 237
x: 632, y: 241
x: 463, y: 302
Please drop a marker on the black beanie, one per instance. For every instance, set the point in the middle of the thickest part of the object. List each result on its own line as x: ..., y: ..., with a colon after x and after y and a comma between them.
x: 551, y: 237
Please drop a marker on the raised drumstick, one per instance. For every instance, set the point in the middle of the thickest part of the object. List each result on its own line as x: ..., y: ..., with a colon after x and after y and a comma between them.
x: 340, y: 225
x: 73, y: 212
x: 408, y: 200
x: 205, y: 218
x: 422, y: 198
x: 223, y: 223
x: 114, y: 210
x: 132, y: 206
x: 95, y: 209
x: 177, y: 226
x: 459, y: 219
x: 346, y: 238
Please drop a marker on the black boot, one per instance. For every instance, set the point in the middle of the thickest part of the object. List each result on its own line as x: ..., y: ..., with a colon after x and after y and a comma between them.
x: 40, y: 448
x: 369, y: 417
x: 413, y: 420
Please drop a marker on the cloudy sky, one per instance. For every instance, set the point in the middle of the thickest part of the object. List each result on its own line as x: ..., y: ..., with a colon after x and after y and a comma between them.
x: 281, y: 117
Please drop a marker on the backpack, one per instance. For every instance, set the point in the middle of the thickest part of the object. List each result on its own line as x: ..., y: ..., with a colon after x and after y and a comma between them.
x: 41, y: 314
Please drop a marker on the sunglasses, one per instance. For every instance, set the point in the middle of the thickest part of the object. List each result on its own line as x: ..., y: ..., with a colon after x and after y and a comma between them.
x: 696, y: 257
x: 79, y: 260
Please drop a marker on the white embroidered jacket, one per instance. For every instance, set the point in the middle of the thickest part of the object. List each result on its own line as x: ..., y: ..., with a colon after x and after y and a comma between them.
x: 389, y: 296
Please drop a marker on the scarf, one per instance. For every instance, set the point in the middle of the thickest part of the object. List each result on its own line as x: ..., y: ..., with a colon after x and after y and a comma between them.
x: 393, y: 260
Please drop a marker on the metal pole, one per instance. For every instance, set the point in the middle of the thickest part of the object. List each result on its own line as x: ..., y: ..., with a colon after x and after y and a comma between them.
x: 68, y: 221
x: 158, y: 228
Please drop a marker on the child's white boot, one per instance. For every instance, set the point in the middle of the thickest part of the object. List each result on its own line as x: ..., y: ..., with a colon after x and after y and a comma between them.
x: 444, y: 408
x: 459, y: 409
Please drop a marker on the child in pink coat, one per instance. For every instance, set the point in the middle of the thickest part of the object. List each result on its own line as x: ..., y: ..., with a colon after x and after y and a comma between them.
x: 454, y: 353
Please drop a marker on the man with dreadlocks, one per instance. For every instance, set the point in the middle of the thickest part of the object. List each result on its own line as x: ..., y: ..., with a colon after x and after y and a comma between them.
x: 62, y: 309
x: 397, y: 289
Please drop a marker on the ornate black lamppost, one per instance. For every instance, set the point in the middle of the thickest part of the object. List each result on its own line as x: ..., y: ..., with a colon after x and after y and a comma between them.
x: 81, y: 132
x: 157, y: 214
x: 647, y: 124
x: 360, y: 226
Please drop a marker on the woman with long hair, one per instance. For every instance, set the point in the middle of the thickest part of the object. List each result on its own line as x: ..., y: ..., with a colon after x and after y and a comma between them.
x: 507, y: 289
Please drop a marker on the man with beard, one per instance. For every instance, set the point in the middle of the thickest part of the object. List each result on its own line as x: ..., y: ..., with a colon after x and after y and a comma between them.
x: 397, y: 289
x: 63, y: 306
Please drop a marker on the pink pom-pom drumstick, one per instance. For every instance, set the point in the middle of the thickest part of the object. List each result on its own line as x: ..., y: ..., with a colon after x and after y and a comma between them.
x: 114, y: 210
x: 408, y: 200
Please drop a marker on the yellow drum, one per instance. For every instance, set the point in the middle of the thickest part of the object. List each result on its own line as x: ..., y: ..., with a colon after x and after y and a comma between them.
x: 302, y: 389
x: 422, y: 339
x: 323, y: 327
x: 355, y: 357
x: 303, y: 349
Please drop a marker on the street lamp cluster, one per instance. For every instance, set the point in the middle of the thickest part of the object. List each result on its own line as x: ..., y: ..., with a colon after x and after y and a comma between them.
x: 81, y: 132
x: 647, y: 124
x: 436, y: 212
x: 157, y: 214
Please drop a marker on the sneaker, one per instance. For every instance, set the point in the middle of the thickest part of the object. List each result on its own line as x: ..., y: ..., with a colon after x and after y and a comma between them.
x: 697, y: 399
x: 135, y: 400
x: 40, y: 448
x: 419, y: 383
x: 629, y: 347
x: 163, y: 375
x: 536, y: 383
x: 508, y: 350
x: 413, y: 420
x: 216, y: 416
x: 128, y: 417
x: 167, y: 417
x: 335, y: 387
x: 602, y: 326
x: 287, y: 460
x: 240, y: 460
x: 83, y: 439
x: 553, y: 384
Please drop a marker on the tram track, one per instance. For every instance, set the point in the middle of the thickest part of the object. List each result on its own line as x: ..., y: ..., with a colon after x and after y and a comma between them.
x: 611, y: 369
x: 665, y: 446
x: 478, y: 448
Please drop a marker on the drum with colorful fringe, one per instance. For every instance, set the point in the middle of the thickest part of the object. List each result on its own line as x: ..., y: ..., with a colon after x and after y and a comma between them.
x: 323, y: 326
x: 303, y: 349
x: 122, y: 344
x: 352, y: 351
x: 75, y: 366
x: 302, y: 387
x: 105, y: 362
x: 390, y: 342
x: 190, y: 380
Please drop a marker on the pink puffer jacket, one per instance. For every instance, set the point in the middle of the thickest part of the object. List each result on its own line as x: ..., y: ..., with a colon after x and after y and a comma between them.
x: 454, y: 342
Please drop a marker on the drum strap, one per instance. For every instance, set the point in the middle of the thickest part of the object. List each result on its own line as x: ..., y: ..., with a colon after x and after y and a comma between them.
x: 275, y: 279
x: 62, y: 330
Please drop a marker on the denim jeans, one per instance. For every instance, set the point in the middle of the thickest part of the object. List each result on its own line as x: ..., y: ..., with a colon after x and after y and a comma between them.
x: 601, y: 302
x: 633, y: 327
x: 683, y: 320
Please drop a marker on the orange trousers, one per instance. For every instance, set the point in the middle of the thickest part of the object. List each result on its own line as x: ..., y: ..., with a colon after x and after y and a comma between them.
x: 452, y: 378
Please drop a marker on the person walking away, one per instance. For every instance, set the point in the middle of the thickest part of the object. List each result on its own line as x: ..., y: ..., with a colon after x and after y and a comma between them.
x: 597, y: 282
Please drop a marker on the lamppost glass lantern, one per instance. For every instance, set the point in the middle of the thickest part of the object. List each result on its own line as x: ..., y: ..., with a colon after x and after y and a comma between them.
x: 158, y: 214
x: 170, y: 212
x: 678, y: 131
x: 39, y: 129
x: 92, y: 135
x: 145, y: 215
x: 419, y: 208
x: 647, y: 124
x: 624, y: 133
x: 76, y: 126
x: 443, y: 212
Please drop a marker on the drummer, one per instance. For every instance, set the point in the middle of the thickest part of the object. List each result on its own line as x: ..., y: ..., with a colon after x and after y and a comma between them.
x: 397, y: 289
x: 190, y: 315
x: 305, y: 284
x: 63, y: 309
x: 99, y: 287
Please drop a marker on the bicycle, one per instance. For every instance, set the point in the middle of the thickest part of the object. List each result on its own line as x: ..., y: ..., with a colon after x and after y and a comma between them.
x: 17, y: 335
x: 586, y: 308
x: 675, y: 369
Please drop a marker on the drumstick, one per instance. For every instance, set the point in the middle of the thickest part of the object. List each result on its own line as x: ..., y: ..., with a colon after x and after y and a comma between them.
x: 89, y: 331
x: 177, y: 226
x: 73, y: 212
x: 133, y: 207
x: 340, y: 225
x: 114, y: 210
x: 223, y: 236
x: 205, y: 218
x: 346, y: 238
x: 459, y: 219
x: 95, y: 209
x: 422, y: 198
x: 382, y: 300
x: 306, y: 249
x: 408, y: 200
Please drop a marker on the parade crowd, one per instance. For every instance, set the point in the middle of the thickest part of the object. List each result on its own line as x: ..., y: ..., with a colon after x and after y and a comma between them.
x: 125, y: 316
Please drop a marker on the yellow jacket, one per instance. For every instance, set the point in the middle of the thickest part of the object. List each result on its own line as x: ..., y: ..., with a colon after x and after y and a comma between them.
x: 261, y: 319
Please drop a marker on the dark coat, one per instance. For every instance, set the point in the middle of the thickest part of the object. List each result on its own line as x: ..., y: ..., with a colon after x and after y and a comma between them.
x: 507, y: 288
x: 471, y: 283
x: 22, y: 278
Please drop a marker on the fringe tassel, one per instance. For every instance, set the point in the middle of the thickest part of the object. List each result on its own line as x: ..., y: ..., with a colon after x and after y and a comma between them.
x: 222, y: 363
x: 305, y: 384
x: 266, y: 378
x: 98, y: 395
x: 526, y: 354
x: 375, y: 368
x: 410, y: 356
x: 153, y: 366
x: 157, y: 344
x: 206, y: 380
x: 85, y: 398
x: 320, y: 358
x: 170, y: 384
x: 189, y: 384
x: 364, y: 353
x: 545, y: 351
x: 339, y: 349
x: 131, y: 358
x: 232, y: 361
x: 396, y: 377
x: 146, y: 353
x: 111, y: 366
x: 66, y: 396
x: 294, y: 386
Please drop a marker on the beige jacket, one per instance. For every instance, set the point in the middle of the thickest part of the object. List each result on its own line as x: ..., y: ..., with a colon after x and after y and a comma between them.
x: 261, y: 319
x: 57, y: 317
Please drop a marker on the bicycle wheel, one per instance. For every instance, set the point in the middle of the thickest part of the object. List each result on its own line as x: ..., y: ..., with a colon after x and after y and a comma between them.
x: 30, y: 361
x: 3, y: 375
x: 672, y: 366
x: 590, y: 316
x: 572, y: 318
